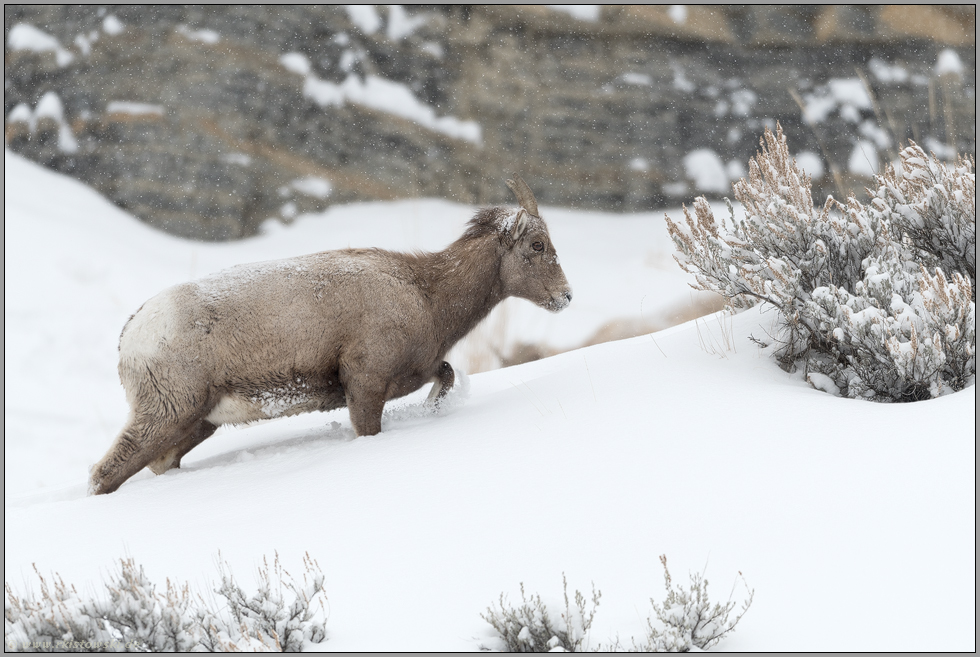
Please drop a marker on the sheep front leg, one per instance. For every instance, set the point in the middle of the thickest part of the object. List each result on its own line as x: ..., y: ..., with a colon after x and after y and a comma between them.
x: 365, y: 405
x: 443, y: 382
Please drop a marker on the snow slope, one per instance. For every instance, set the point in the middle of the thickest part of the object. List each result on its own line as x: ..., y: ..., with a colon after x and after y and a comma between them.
x: 76, y: 267
x: 853, y: 522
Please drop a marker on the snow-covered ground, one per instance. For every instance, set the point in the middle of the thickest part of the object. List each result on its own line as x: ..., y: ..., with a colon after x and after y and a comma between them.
x: 77, y: 267
x: 854, y: 522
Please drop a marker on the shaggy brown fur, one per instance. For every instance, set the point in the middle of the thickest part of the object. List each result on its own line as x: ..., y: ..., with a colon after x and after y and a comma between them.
x: 353, y: 328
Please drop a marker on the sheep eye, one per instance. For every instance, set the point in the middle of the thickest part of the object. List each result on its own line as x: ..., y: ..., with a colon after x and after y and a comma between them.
x: 538, y: 246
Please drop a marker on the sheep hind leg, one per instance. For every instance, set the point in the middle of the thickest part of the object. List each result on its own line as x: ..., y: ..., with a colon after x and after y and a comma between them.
x: 442, y: 384
x: 138, y: 444
x: 197, y: 435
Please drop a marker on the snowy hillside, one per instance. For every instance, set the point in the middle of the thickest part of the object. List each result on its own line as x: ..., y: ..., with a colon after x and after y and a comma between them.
x: 77, y: 267
x: 854, y: 522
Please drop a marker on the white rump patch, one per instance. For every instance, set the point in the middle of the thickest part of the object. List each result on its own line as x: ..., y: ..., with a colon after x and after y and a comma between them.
x: 149, y: 328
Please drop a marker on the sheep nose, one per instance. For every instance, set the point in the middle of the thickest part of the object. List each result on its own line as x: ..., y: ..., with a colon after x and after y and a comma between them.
x: 568, y: 296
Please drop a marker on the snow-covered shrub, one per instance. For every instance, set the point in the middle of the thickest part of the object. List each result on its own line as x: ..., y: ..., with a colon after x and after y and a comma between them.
x: 59, y: 621
x: 269, y: 614
x: 876, y: 300
x: 532, y: 627
x: 135, y: 617
x: 935, y: 206
x: 687, y: 618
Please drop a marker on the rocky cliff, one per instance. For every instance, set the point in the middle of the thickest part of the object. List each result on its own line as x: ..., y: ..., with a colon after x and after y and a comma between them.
x: 205, y: 121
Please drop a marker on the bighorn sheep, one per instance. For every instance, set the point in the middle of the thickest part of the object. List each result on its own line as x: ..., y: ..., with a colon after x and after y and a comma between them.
x: 354, y: 328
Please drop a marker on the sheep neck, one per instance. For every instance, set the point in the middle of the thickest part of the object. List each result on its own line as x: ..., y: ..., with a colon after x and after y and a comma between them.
x: 464, y: 288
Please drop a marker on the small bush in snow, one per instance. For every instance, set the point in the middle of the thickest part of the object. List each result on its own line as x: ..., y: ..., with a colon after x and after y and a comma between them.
x: 532, y: 627
x: 876, y: 301
x: 135, y: 617
x: 269, y: 613
x: 687, y: 618
x: 60, y: 621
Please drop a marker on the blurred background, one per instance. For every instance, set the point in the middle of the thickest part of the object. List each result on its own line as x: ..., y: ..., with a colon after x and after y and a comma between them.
x: 207, y: 121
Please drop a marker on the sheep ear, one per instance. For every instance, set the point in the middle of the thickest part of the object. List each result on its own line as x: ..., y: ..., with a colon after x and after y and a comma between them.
x: 520, y: 225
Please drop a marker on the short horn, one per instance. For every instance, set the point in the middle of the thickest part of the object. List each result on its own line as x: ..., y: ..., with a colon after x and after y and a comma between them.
x: 524, y: 195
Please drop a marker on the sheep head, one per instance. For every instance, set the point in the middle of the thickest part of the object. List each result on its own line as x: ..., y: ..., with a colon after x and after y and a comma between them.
x: 530, y: 268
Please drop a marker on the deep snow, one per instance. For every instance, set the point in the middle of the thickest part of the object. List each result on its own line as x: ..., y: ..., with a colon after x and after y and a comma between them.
x: 854, y: 522
x: 77, y: 267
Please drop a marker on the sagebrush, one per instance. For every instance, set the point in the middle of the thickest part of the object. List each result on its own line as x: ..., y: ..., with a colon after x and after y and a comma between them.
x: 686, y: 620
x: 134, y: 617
x: 876, y: 300
x: 532, y: 627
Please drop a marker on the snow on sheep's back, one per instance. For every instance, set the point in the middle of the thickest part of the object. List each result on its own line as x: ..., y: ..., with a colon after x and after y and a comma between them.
x: 844, y: 516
